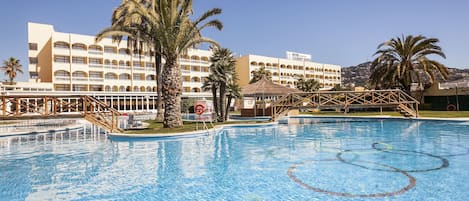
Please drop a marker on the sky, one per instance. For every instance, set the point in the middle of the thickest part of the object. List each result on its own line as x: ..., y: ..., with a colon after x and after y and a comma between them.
x: 343, y: 32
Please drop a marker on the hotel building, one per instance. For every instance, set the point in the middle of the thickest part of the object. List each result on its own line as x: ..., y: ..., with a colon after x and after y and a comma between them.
x: 67, y: 63
x: 74, y: 62
x: 286, y: 71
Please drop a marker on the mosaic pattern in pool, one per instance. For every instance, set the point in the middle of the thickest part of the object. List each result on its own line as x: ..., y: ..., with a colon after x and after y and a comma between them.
x: 308, y: 159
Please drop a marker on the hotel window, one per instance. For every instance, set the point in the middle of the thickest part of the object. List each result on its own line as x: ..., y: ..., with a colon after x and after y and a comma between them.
x: 96, y: 74
x: 111, y: 76
x: 123, y: 51
x: 137, y: 64
x: 95, y: 61
x: 32, y: 60
x: 137, y: 76
x: 61, y: 45
x: 32, y: 46
x: 79, y: 46
x: 108, y: 49
x: 62, y: 59
x: 149, y: 65
x: 62, y: 87
x: 78, y: 60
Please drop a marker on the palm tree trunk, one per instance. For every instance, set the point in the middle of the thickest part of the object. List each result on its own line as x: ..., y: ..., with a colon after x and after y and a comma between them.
x: 159, y: 107
x: 215, y: 101
x: 172, y: 91
x: 228, y: 103
x: 222, y: 102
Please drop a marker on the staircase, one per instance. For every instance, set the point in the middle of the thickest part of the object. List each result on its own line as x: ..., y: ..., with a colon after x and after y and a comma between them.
x: 101, y: 114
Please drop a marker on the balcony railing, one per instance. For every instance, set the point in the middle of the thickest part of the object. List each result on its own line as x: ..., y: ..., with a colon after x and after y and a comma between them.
x: 139, y: 68
x: 62, y: 78
x: 96, y: 79
x: 95, y: 65
x: 95, y: 52
x: 80, y: 79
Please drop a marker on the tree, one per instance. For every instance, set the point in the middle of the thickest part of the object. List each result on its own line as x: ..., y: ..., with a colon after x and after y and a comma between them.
x: 11, y: 68
x: 140, y: 37
x: 307, y: 85
x: 174, y: 32
x: 233, y: 92
x: 403, y: 61
x: 222, y: 76
x: 211, y: 84
x: 259, y: 73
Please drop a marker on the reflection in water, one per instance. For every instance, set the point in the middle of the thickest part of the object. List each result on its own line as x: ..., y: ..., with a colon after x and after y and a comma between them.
x: 234, y: 164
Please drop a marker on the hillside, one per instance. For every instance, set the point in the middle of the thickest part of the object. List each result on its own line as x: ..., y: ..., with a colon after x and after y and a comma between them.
x: 358, y: 75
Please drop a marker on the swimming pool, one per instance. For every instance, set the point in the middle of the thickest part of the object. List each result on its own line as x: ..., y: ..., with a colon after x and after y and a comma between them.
x: 308, y: 159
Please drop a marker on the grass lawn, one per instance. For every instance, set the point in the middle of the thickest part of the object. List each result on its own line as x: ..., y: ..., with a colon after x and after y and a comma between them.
x: 157, y: 127
x: 422, y: 113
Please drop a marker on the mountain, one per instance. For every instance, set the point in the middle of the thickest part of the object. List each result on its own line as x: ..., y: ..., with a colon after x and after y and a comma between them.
x: 359, y: 75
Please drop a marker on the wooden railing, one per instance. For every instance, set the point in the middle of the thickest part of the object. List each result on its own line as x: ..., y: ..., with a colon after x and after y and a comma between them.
x: 44, y: 106
x: 406, y: 104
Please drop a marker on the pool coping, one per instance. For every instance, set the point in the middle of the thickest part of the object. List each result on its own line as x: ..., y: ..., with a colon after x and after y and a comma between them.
x: 199, y: 132
x: 385, y: 117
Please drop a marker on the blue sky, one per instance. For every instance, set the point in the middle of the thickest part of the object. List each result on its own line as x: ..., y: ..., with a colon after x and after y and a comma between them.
x: 344, y: 32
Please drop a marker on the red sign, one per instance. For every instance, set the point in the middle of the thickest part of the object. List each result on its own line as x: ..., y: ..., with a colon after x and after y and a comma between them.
x: 199, y: 109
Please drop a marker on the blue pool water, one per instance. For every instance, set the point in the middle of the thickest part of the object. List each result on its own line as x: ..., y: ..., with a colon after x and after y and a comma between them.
x: 308, y: 159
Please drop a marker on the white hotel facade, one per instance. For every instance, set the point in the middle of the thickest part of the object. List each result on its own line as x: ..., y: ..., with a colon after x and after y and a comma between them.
x: 286, y: 71
x: 67, y: 63
x: 74, y: 62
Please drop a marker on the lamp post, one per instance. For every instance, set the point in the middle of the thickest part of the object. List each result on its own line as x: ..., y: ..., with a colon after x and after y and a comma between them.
x: 457, y: 98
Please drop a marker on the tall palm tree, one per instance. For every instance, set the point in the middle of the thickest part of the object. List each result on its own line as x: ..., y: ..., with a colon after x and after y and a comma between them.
x: 11, y: 68
x: 307, y: 85
x: 403, y: 61
x: 140, y: 37
x: 223, y: 69
x: 175, y: 32
x: 259, y: 73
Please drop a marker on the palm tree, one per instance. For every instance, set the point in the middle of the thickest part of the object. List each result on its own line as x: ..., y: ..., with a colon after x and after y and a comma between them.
x: 403, y: 61
x: 233, y: 92
x: 140, y: 37
x: 11, y: 67
x: 259, y: 73
x: 175, y: 32
x: 223, y: 70
x: 211, y: 84
x: 307, y: 85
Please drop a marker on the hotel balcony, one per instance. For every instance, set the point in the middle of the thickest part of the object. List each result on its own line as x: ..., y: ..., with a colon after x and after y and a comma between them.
x: 61, y: 79
x: 136, y: 68
x: 96, y: 66
x: 62, y: 51
x: 96, y: 79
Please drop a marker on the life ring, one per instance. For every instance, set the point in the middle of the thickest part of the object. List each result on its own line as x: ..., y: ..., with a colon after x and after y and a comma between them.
x: 199, y: 109
x: 451, y: 107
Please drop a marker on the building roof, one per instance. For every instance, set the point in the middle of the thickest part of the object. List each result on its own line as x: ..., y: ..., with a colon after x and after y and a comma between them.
x: 265, y: 87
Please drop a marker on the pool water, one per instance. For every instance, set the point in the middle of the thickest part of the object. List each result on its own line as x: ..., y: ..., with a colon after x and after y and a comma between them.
x: 307, y: 159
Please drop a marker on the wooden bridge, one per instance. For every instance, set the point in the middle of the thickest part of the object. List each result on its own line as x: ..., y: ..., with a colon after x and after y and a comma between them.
x: 404, y: 103
x: 47, y: 106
